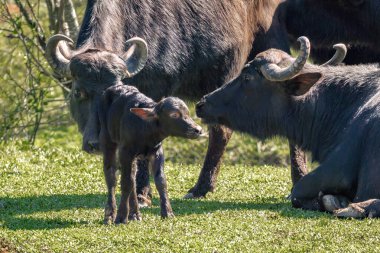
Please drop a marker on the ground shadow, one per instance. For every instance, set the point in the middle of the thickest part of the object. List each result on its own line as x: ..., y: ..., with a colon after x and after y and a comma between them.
x: 15, y: 211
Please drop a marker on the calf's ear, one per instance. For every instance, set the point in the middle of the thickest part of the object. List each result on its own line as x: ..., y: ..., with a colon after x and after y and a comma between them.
x: 147, y: 114
x: 301, y: 84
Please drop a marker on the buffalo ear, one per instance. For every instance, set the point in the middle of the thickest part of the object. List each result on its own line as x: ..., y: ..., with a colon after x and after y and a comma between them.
x: 301, y: 84
x: 147, y: 114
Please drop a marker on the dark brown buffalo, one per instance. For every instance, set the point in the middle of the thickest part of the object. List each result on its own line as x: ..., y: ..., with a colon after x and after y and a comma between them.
x: 334, y: 112
x: 194, y: 47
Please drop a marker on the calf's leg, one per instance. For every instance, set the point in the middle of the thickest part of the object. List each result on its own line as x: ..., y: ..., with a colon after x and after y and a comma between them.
x: 161, y: 184
x: 143, y: 189
x: 109, y: 169
x: 128, y: 188
x: 218, y: 140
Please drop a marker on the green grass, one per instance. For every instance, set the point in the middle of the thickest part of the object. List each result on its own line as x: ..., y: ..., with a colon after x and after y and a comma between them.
x: 52, y: 198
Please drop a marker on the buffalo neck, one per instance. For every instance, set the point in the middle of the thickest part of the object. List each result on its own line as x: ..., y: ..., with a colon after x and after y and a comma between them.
x: 317, y: 120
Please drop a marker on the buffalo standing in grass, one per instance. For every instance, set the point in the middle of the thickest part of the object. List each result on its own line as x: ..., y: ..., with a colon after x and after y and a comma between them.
x: 332, y: 111
x: 194, y: 46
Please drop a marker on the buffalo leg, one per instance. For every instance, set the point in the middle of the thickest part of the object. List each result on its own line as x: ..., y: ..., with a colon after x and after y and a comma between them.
x: 369, y: 208
x: 128, y: 188
x: 298, y: 163
x: 109, y: 168
x: 161, y: 184
x: 332, y: 177
x: 218, y: 139
x: 366, y: 204
x: 144, y: 191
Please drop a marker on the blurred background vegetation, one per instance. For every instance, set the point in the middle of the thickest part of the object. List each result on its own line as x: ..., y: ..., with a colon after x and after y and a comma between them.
x: 33, y: 99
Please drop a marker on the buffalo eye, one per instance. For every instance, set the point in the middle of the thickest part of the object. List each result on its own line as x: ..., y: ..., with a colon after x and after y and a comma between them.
x: 79, y: 94
x: 174, y: 115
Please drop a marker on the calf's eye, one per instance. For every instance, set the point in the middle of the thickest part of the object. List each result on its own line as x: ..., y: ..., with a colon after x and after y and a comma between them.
x: 174, y: 115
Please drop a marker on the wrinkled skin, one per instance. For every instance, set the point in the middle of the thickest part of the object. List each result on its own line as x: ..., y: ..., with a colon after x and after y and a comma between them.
x: 316, y: 111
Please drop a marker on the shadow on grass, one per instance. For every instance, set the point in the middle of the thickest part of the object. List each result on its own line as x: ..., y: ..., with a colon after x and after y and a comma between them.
x: 15, y: 212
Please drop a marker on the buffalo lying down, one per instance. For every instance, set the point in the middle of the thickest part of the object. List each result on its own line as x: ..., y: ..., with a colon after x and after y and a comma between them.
x: 136, y: 125
x: 334, y: 112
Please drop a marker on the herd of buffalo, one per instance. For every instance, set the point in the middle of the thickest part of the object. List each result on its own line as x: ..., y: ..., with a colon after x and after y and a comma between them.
x: 132, y: 56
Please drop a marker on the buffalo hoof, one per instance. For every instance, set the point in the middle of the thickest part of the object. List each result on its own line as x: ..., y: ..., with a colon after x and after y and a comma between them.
x: 332, y: 203
x: 109, y: 215
x: 369, y: 208
x: 144, y: 202
x: 167, y: 215
x: 191, y: 195
x: 352, y: 211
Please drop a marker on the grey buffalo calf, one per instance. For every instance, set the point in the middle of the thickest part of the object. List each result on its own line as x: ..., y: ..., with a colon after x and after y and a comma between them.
x: 135, y: 125
x: 334, y: 112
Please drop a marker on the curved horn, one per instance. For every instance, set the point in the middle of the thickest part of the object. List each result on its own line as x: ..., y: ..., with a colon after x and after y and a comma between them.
x: 273, y: 72
x: 59, y: 54
x: 136, y: 56
x: 340, y: 54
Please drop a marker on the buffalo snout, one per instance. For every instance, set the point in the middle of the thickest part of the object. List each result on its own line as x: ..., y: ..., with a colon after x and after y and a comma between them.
x: 195, y: 132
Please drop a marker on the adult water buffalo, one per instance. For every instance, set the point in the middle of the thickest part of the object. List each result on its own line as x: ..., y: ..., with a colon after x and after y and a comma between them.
x: 194, y: 46
x: 332, y: 111
x: 324, y: 22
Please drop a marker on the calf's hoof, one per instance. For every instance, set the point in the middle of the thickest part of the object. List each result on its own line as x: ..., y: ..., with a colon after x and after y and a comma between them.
x: 121, y: 220
x: 144, y: 202
x: 135, y: 217
x: 108, y: 220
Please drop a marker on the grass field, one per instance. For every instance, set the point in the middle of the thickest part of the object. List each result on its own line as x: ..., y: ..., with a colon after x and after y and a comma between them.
x: 52, y: 198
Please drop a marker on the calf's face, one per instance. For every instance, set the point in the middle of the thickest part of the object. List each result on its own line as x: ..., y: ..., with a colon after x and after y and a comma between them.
x: 172, y: 117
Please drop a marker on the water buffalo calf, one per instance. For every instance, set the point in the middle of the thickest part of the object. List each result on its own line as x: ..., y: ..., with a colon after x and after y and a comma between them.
x: 332, y: 111
x: 135, y: 125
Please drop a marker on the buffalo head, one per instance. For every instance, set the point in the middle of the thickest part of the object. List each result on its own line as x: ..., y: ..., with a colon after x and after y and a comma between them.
x: 259, y: 99
x: 92, y: 71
